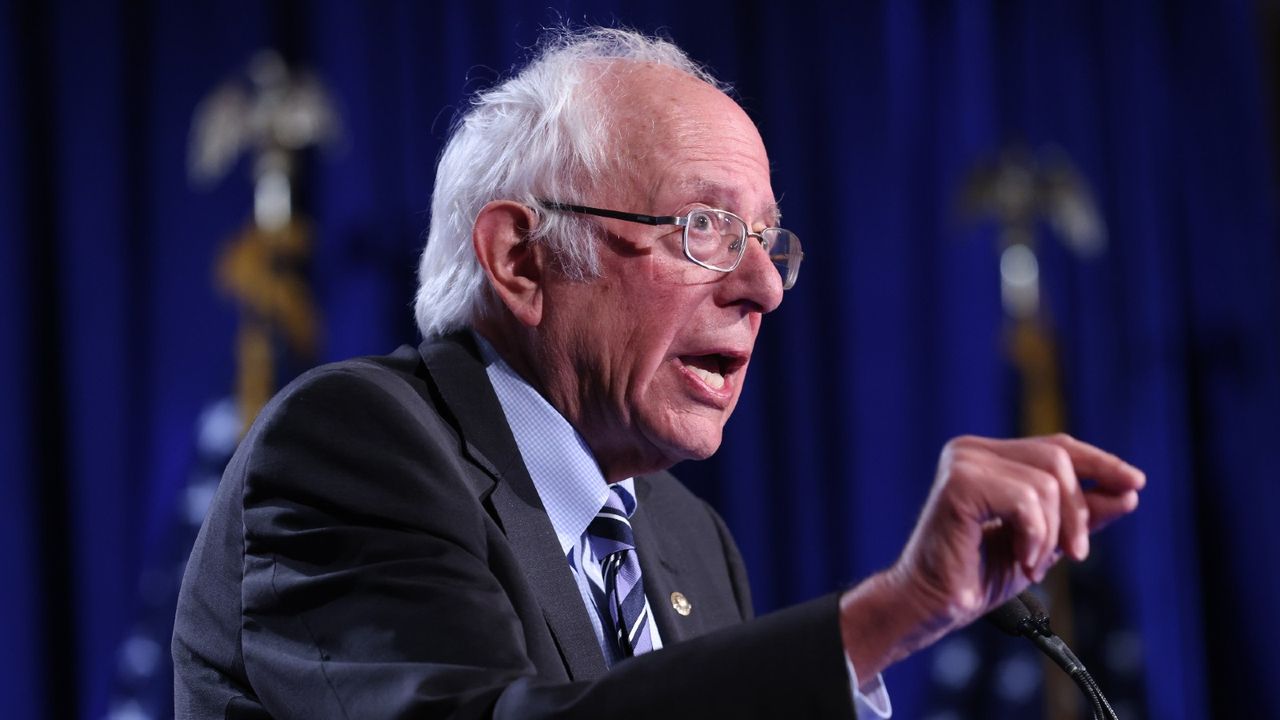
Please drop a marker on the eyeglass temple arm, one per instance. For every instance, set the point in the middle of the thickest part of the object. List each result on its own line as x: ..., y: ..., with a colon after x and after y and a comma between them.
x: 616, y: 214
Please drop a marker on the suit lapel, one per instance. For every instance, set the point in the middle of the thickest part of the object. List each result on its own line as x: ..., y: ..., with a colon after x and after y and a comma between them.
x: 460, y: 377
x: 663, y: 553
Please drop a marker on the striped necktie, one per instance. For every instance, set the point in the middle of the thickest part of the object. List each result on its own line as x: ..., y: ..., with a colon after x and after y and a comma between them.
x: 612, y: 542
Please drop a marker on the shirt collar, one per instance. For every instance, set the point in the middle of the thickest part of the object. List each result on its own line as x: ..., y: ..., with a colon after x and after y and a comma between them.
x: 563, y: 470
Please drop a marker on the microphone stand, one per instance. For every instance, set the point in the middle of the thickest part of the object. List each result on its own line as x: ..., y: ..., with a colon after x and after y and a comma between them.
x: 1036, y: 629
x: 1024, y: 615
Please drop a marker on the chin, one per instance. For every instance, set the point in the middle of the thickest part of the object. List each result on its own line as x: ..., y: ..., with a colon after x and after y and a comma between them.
x: 679, y: 431
x: 692, y: 443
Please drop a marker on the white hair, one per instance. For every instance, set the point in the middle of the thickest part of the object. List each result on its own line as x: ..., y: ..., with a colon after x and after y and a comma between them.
x: 543, y: 134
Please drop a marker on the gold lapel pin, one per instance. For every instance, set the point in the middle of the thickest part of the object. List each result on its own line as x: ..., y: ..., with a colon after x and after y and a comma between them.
x: 681, y: 603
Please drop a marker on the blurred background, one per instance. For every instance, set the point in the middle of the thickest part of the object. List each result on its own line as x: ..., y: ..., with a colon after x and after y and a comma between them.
x: 1017, y: 216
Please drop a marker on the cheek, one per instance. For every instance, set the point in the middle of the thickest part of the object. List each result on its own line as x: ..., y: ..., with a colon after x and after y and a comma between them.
x: 645, y: 308
x: 649, y: 352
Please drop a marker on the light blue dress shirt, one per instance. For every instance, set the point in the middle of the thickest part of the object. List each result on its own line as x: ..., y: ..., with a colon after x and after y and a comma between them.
x: 573, y: 490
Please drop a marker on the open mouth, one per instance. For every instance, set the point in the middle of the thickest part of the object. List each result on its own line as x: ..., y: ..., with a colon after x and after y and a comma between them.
x: 712, y: 368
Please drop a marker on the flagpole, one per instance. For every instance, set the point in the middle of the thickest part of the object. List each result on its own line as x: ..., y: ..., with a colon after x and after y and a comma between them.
x: 1020, y: 189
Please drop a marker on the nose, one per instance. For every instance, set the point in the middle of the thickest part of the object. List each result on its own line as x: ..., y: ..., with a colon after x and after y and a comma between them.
x: 755, y: 280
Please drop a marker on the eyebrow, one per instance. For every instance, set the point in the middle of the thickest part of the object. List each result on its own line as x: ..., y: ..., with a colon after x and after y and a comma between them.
x: 724, y: 195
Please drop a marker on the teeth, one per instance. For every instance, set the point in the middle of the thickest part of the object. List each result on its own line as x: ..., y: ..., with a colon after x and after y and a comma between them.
x: 715, y: 380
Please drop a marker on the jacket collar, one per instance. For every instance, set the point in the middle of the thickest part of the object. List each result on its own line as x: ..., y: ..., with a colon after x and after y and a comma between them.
x: 458, y: 374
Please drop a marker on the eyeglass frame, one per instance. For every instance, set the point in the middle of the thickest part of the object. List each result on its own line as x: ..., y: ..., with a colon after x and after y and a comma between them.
x: 682, y: 221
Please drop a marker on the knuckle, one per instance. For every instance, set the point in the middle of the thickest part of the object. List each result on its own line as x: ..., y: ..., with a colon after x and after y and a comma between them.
x: 1028, y: 502
x: 963, y: 471
x: 1063, y: 466
x: 1060, y: 457
x: 963, y: 459
x: 1044, y: 484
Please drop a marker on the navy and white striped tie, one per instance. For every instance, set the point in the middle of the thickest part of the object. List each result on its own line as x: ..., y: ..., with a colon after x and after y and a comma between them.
x: 613, y: 542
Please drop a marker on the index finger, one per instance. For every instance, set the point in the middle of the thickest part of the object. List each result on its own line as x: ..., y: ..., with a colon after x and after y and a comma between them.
x: 1111, y: 474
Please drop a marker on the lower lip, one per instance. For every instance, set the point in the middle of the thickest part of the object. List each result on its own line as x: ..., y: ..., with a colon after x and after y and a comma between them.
x: 717, y: 398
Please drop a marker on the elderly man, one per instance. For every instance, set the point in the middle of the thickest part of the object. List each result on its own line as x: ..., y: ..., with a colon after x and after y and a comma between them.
x: 483, y: 526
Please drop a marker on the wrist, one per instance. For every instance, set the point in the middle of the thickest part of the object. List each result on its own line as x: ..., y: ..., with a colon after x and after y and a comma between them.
x: 882, y: 621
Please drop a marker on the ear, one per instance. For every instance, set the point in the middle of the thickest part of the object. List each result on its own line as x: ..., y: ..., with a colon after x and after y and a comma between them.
x: 514, y: 265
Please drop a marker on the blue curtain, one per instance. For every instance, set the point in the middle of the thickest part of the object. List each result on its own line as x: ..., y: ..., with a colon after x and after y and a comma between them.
x: 118, y: 347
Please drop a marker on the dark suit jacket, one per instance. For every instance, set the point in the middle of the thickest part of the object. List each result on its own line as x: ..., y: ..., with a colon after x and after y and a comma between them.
x: 376, y: 549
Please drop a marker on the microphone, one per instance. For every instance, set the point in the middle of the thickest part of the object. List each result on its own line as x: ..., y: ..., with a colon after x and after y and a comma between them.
x: 1024, y: 615
x: 1009, y: 617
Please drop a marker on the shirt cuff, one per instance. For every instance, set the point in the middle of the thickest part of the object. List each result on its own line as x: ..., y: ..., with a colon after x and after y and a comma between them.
x: 872, y: 702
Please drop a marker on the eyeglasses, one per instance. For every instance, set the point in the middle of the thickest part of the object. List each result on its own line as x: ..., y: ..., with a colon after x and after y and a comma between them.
x: 714, y: 239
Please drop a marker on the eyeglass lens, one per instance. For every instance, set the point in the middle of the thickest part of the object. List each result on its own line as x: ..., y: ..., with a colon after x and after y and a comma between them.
x: 717, y: 239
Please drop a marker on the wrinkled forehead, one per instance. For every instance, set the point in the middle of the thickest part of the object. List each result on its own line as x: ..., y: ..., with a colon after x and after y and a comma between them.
x: 671, y: 129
